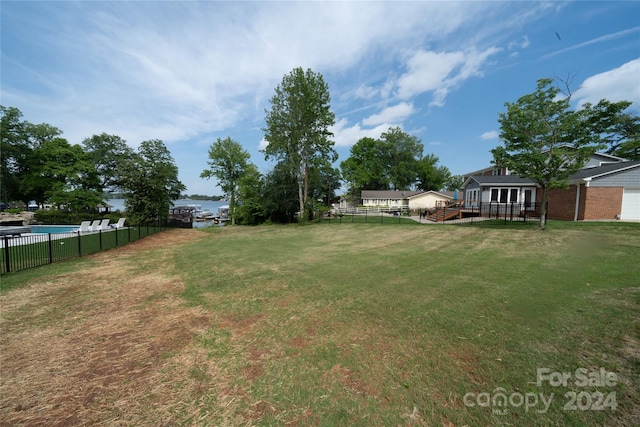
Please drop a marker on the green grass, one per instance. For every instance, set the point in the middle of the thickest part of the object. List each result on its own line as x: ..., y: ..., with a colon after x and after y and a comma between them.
x: 378, y: 325
x: 393, y: 324
x: 39, y: 253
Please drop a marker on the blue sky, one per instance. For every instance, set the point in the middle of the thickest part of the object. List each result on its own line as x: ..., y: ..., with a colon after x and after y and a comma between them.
x: 190, y: 72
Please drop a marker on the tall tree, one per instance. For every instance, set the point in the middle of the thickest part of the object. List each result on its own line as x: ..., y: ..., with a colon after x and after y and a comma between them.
x: 366, y: 168
x: 13, y: 153
x: 228, y: 162
x: 107, y: 152
x: 78, y: 186
x: 250, y: 210
x: 403, y: 152
x: 430, y: 175
x: 297, y: 127
x: 280, y: 194
x: 545, y: 141
x: 624, y: 141
x: 455, y: 182
x: 149, y: 180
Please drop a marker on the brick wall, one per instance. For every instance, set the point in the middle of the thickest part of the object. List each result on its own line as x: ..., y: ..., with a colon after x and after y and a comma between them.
x: 562, y: 203
x: 595, y: 203
x: 602, y: 202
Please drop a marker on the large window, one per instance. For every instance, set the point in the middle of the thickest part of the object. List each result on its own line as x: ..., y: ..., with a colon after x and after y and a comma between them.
x: 504, y: 195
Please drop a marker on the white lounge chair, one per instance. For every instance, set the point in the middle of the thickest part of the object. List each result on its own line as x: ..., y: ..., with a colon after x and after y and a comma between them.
x: 95, y: 225
x: 84, y: 227
x: 119, y: 224
x: 104, y: 225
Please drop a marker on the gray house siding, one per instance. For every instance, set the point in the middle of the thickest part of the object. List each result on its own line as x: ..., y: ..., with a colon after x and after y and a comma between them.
x: 598, y: 159
x: 629, y: 178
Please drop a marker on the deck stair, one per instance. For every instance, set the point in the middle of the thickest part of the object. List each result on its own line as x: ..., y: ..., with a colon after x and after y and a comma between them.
x: 445, y: 211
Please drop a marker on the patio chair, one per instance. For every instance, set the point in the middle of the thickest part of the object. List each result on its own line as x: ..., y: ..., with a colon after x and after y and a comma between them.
x: 104, y: 225
x: 95, y: 225
x: 119, y: 224
x: 84, y: 227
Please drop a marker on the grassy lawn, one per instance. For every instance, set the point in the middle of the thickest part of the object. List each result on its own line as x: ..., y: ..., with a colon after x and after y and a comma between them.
x: 361, y: 324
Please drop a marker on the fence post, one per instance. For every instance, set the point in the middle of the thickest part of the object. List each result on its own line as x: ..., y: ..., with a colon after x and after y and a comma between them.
x: 50, y: 249
x: 79, y: 245
x: 100, y: 238
x: 6, y: 254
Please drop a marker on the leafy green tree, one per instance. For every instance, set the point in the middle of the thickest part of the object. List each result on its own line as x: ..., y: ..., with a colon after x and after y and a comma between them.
x: 107, y: 152
x: 624, y: 140
x: 280, y: 195
x: 324, y: 181
x: 455, y: 182
x: 403, y: 153
x: 59, y: 172
x: 149, y: 180
x: 228, y: 162
x: 366, y: 167
x: 73, y: 180
x: 13, y: 153
x: 250, y: 210
x: 430, y: 175
x: 297, y: 127
x: 545, y: 141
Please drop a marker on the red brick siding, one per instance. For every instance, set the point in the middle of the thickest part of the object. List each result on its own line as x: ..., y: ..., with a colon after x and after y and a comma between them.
x: 595, y: 203
x: 562, y: 203
x: 602, y: 202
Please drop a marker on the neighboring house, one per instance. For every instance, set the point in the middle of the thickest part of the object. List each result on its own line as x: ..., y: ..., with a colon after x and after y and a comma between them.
x: 429, y: 199
x: 608, y: 187
x: 610, y: 191
x: 482, y: 189
x: 404, y: 199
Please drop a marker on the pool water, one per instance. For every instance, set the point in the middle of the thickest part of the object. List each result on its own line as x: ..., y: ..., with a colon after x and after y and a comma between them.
x: 53, y: 229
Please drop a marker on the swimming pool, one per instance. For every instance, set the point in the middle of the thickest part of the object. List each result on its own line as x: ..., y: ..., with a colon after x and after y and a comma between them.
x: 53, y: 229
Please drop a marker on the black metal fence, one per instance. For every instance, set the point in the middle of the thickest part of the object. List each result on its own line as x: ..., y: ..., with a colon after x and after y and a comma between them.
x: 450, y: 213
x: 34, y: 250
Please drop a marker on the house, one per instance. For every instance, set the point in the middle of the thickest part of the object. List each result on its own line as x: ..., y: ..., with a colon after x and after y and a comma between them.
x: 413, y: 200
x: 610, y: 191
x: 503, y: 189
x: 607, y: 188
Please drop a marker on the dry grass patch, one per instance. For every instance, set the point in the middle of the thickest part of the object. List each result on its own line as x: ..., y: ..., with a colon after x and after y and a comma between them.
x: 102, y: 345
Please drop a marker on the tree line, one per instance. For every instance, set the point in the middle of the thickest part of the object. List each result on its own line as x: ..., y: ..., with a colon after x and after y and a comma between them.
x: 539, y: 132
x: 300, y: 142
x: 38, y: 164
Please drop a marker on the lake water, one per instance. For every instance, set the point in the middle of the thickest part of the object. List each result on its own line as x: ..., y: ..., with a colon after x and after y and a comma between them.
x: 208, y: 205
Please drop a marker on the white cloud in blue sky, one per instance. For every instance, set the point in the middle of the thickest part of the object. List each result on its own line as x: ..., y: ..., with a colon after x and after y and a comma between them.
x: 190, y: 72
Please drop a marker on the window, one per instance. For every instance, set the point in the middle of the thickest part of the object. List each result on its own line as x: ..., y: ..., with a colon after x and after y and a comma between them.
x: 504, y: 195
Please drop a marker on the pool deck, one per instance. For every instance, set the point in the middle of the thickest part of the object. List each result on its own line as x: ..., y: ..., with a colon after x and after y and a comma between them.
x: 12, y: 230
x: 26, y: 237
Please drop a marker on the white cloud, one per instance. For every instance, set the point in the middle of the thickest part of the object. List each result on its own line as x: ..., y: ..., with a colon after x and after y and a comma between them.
x: 345, y: 135
x: 618, y: 84
x: 365, y: 92
x: 263, y: 144
x: 439, y: 72
x: 427, y: 71
x: 489, y: 135
x: 394, y: 114
x: 522, y: 43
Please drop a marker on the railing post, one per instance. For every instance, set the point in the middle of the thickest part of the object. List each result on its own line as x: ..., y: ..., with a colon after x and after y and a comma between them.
x: 7, y: 261
x: 50, y: 249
